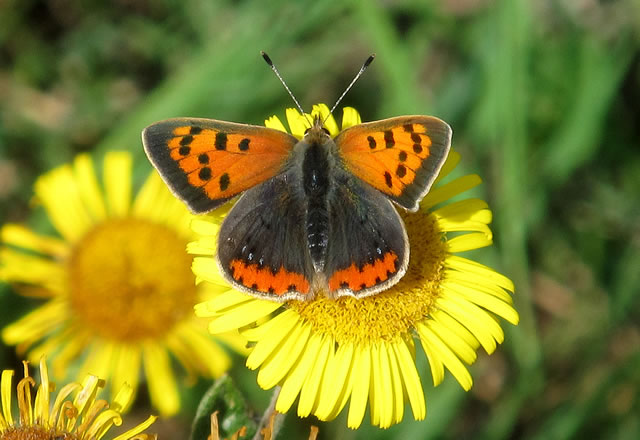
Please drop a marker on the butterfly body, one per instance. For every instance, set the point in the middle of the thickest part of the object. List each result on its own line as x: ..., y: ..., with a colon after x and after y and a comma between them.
x: 315, y: 215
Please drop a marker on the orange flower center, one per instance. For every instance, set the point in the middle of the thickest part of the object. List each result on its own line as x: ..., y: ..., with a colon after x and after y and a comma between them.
x: 394, y: 312
x: 131, y: 279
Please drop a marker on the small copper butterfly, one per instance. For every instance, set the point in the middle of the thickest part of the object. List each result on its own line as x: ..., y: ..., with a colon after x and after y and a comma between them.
x: 315, y: 214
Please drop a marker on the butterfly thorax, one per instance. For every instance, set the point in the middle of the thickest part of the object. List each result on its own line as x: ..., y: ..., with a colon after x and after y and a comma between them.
x: 317, y: 164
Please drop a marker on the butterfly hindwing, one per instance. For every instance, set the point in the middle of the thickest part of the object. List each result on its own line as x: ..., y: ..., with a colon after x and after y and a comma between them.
x: 206, y: 162
x: 262, y: 248
x: 401, y: 157
x: 368, y: 250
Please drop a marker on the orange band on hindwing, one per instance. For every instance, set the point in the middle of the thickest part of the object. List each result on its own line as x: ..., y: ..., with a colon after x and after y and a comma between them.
x: 369, y: 275
x: 265, y: 280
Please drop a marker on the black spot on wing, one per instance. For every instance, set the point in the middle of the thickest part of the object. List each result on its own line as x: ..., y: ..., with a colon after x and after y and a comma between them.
x: 221, y: 141
x: 244, y: 144
x: 387, y: 179
x: 224, y: 182
x: 204, y: 173
x: 388, y: 138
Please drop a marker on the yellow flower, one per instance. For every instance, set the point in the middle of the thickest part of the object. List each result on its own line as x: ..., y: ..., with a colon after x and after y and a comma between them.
x: 328, y: 352
x: 75, y: 414
x: 120, y: 289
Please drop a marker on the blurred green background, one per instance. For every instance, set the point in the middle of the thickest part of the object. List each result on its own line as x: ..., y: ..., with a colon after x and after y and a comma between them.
x: 543, y: 99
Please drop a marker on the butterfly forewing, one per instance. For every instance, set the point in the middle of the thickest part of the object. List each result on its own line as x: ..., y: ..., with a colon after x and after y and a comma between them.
x: 207, y: 162
x: 401, y: 157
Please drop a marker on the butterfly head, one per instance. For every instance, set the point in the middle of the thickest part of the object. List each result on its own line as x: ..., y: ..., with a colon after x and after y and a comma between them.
x: 317, y: 132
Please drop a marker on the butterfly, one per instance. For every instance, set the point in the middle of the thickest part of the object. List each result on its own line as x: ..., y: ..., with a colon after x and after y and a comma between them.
x: 313, y: 215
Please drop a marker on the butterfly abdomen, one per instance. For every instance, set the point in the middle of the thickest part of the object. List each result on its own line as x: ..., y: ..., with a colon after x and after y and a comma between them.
x: 315, y: 181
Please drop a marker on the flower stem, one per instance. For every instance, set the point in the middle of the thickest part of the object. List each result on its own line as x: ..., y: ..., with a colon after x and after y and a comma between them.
x: 271, y: 420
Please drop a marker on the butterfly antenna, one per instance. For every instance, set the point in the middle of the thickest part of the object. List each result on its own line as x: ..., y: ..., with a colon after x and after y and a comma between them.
x: 358, y: 75
x: 275, y: 70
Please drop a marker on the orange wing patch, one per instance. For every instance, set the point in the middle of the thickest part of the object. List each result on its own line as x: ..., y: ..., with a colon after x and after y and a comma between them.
x: 264, y: 280
x: 370, y: 275
x: 225, y: 164
x: 400, y: 156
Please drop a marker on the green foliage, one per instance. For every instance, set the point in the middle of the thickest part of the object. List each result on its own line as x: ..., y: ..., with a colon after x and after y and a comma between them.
x: 232, y: 411
x: 542, y: 97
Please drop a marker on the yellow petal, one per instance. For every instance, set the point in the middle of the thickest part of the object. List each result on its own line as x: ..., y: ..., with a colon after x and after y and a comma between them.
x: 469, y: 210
x: 443, y: 319
x: 329, y: 121
x: 275, y: 123
x: 310, y: 393
x: 277, y: 329
x: 435, y: 363
x: 299, y: 372
x: 377, y: 398
x: 483, y: 327
x: 386, y: 386
x: 297, y: 122
x: 123, y: 398
x: 411, y: 379
x: 126, y: 370
x: 360, y: 393
x: 160, y: 379
x: 450, y: 190
x: 345, y: 394
x: 58, y: 191
x: 36, y: 324
x: 117, y: 182
x: 452, y: 161
x: 88, y: 187
x: 350, y: 117
x: 333, y: 382
x: 34, y: 270
x: 199, y: 351
x: 41, y: 406
x: 102, y: 423
x: 483, y: 272
x: 243, y: 314
x: 204, y: 226
x: 146, y: 199
x: 66, y: 391
x: 19, y: 236
x: 474, y: 282
x: 398, y: 393
x: 6, y: 391
x: 130, y: 434
x: 484, y: 300
x: 85, y: 398
x: 99, y: 360
x: 206, y: 268
x: 446, y: 356
x: 467, y: 242
x: 466, y: 352
x: 278, y: 364
x: 224, y: 302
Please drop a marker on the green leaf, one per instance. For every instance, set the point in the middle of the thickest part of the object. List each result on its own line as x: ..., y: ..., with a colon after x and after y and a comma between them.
x: 232, y: 408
